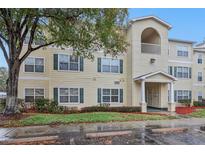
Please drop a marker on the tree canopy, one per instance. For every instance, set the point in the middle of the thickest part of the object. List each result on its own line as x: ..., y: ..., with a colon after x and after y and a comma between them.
x: 82, y: 29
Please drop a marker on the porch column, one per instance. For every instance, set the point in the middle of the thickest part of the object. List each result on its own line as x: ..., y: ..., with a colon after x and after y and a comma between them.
x: 171, y: 92
x: 143, y: 103
x: 171, y: 104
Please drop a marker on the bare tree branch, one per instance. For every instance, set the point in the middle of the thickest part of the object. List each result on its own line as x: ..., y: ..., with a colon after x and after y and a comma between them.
x: 4, y: 51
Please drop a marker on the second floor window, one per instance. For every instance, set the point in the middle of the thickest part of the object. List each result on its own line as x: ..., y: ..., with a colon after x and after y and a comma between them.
x: 34, y: 64
x: 199, y: 76
x: 199, y: 60
x: 67, y: 62
x: 182, y: 51
x: 182, y: 72
x: 110, y: 65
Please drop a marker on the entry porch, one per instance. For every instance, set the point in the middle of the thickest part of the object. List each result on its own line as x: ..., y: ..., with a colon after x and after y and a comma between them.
x: 156, y: 90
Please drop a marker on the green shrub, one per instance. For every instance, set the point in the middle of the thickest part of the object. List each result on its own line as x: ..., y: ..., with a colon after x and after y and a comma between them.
x: 198, y: 103
x: 111, y: 109
x: 186, y: 102
x: 54, y: 108
x: 2, y: 104
x: 41, y: 105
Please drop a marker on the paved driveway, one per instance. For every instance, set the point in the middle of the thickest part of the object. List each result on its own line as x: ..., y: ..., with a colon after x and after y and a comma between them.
x: 135, y: 132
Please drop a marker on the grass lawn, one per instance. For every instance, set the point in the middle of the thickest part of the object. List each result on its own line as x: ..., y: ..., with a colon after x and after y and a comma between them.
x: 200, y: 113
x: 43, y: 119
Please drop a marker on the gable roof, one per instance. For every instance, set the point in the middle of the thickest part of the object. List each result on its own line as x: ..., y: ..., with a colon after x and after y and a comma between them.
x: 154, y: 18
x: 142, y: 77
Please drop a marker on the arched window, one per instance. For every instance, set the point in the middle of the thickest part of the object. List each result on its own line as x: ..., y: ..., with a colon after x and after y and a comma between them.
x: 150, y: 41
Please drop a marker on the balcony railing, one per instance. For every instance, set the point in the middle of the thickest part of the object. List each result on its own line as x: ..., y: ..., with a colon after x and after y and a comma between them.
x: 150, y: 48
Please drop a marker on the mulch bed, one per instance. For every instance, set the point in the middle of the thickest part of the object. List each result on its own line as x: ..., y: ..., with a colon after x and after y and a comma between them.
x: 188, y: 110
x: 15, y: 117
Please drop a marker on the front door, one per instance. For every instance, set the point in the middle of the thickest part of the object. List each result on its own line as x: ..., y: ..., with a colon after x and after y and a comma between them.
x: 153, y: 94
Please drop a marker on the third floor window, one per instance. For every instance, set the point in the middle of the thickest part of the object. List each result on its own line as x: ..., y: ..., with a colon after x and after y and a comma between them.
x: 182, y: 51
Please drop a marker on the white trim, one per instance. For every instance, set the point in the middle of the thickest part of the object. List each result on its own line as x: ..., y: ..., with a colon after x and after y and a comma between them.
x: 199, y: 54
x: 68, y: 63
x: 69, y: 103
x: 153, y: 17
x: 201, y: 77
x: 111, y: 103
x: 34, y: 91
x: 154, y: 73
x: 110, y: 65
x: 182, y: 62
x: 34, y: 64
x: 199, y: 84
x: 33, y: 78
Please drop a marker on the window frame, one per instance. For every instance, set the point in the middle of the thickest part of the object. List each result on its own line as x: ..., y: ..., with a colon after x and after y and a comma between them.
x: 200, y: 77
x: 110, y: 95
x: 183, y: 72
x: 110, y: 65
x: 182, y: 51
x: 34, y: 94
x: 199, y: 94
x: 24, y: 66
x: 200, y: 57
x: 69, y: 94
x: 182, y: 95
x: 68, y: 70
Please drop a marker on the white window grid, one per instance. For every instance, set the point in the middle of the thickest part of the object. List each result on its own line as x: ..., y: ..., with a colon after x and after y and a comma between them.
x: 69, y: 95
x: 69, y: 62
x: 34, y: 64
x: 110, y: 65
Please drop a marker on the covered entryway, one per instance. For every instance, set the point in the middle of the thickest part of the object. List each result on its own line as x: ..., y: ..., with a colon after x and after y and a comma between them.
x: 154, y: 89
x: 152, y: 94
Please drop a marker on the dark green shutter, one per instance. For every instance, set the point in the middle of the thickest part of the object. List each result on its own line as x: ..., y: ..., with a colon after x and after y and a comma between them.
x: 55, y: 61
x: 121, y: 66
x: 175, y: 71
x: 55, y: 94
x: 190, y: 96
x: 81, y: 63
x: 99, y: 95
x: 190, y: 72
x: 121, y: 95
x: 99, y: 64
x: 81, y: 95
x: 175, y: 95
x: 170, y: 71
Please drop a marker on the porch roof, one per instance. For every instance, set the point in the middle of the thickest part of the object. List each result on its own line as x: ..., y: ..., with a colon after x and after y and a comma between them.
x: 148, y: 75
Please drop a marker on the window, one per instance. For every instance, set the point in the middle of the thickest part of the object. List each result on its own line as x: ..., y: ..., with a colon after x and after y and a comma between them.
x: 182, y: 95
x: 110, y: 65
x: 199, y: 76
x: 110, y: 95
x: 34, y: 64
x: 32, y: 94
x: 200, y: 97
x: 182, y: 51
x: 182, y: 72
x: 67, y: 62
x: 199, y: 60
x: 69, y: 95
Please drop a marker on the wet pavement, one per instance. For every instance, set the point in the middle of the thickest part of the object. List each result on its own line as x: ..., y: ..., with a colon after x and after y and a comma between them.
x: 141, y: 133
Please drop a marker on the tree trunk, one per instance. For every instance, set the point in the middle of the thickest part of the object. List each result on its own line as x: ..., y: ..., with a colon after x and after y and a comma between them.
x: 12, y: 90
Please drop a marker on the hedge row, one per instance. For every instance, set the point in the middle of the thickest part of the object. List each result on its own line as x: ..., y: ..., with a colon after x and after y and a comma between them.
x: 110, y: 109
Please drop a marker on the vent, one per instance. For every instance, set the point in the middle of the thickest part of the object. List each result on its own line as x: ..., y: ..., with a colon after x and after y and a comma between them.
x: 117, y: 82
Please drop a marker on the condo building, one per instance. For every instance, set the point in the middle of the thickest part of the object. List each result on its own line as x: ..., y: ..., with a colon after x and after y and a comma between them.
x: 155, y: 71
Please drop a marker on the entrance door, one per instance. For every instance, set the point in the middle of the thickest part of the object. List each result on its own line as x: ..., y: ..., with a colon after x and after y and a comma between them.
x: 153, y: 94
